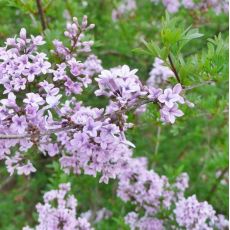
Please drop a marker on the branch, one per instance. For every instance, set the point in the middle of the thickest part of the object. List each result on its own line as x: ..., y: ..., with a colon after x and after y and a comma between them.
x: 157, y: 140
x: 173, y: 68
x: 29, y: 135
x: 199, y: 85
x: 142, y: 101
x: 217, y: 182
x: 69, y: 127
x: 41, y: 14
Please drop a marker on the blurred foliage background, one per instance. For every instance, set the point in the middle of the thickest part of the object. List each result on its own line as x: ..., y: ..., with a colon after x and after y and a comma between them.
x: 196, y: 144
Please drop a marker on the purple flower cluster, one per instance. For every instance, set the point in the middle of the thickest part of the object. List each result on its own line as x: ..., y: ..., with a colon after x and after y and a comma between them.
x: 125, y: 90
x: 95, y: 146
x: 159, y: 74
x: 80, y: 72
x: 168, y: 100
x: 192, y: 214
x: 153, y: 196
x: 87, y: 138
x: 28, y: 118
x: 59, y: 212
x: 173, y: 6
x: 144, y: 223
x: 75, y: 32
x: 125, y: 7
x: 20, y: 63
x: 143, y: 187
x: 121, y: 85
x: 92, y: 66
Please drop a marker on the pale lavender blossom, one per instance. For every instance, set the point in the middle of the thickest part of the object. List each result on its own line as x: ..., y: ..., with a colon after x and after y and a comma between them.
x: 33, y: 99
x: 92, y: 127
x: 173, y: 6
x: 192, y: 214
x: 125, y: 7
x: 170, y: 114
x: 19, y: 124
x: 168, y: 97
x: 26, y: 169
x: 159, y: 73
x: 62, y: 216
x: 154, y: 93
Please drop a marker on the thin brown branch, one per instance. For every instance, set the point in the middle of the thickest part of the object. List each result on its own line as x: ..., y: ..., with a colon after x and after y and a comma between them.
x: 199, y: 85
x: 69, y: 127
x: 41, y: 14
x: 173, y: 68
x: 216, y: 184
x: 157, y: 140
x: 29, y: 135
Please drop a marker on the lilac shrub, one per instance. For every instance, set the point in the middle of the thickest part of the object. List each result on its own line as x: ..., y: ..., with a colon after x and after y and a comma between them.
x: 41, y: 111
x: 59, y: 212
x: 50, y: 118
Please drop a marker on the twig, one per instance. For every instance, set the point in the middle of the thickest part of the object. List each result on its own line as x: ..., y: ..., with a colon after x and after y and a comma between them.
x: 28, y: 135
x: 104, y: 116
x: 199, y: 85
x: 173, y: 68
x: 217, y: 182
x: 41, y: 14
x: 5, y: 182
x: 157, y: 140
x: 118, y: 54
x: 69, y: 127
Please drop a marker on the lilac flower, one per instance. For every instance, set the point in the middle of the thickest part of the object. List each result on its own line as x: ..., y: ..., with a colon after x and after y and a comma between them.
x: 44, y: 66
x: 31, y: 72
x: 11, y: 101
x: 79, y: 118
x: 26, y: 169
x: 53, y: 101
x: 154, y: 93
x: 177, y: 89
x: 19, y: 124
x: 92, y: 127
x: 19, y: 83
x: 92, y: 65
x: 189, y: 4
x: 38, y: 40
x: 159, y: 74
x: 170, y: 114
x: 75, y: 67
x: 80, y: 139
x: 31, y: 111
x: 192, y: 214
x: 173, y: 6
x: 168, y: 98
x: 51, y: 149
x: 126, y: 7
x: 221, y: 222
x: 122, y: 85
x: 33, y: 99
x: 60, y: 217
